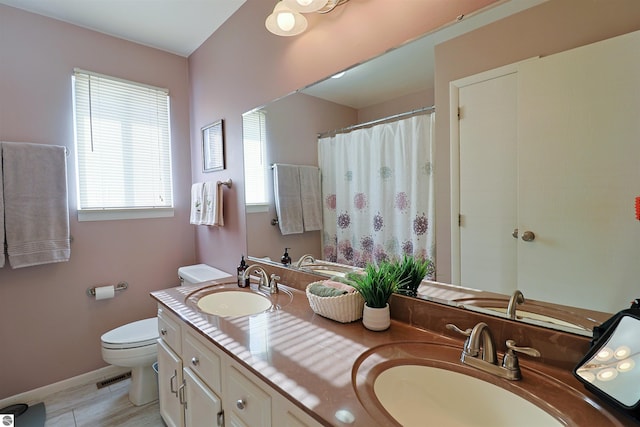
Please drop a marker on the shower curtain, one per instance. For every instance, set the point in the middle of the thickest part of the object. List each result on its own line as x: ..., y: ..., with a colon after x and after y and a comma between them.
x: 377, y: 191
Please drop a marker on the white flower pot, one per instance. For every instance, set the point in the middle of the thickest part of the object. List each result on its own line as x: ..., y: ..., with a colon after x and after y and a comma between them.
x: 376, y: 319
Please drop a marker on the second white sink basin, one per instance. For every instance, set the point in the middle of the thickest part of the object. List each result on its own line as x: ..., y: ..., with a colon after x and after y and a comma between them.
x: 234, y: 303
x: 417, y: 395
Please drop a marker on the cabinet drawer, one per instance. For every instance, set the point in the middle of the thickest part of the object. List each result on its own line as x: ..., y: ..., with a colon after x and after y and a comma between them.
x: 198, y: 355
x: 169, y: 329
x: 247, y: 401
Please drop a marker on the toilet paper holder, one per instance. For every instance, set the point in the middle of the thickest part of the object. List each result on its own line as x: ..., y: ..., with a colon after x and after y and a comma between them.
x: 121, y: 286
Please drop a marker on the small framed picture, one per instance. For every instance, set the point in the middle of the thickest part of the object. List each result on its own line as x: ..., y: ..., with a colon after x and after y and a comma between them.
x: 213, y: 147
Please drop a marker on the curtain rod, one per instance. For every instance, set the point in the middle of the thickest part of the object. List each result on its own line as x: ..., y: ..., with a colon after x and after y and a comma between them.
x: 377, y: 121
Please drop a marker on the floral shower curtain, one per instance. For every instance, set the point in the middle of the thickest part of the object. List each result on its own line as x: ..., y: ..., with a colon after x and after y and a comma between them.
x: 377, y: 191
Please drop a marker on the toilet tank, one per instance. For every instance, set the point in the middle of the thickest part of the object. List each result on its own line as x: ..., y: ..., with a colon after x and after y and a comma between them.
x: 199, y: 273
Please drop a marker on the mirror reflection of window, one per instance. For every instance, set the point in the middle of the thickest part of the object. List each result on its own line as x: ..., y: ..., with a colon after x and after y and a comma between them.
x: 614, y: 368
x: 255, y: 162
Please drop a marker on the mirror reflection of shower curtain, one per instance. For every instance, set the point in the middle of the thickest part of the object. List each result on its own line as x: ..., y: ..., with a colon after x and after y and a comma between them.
x: 377, y: 192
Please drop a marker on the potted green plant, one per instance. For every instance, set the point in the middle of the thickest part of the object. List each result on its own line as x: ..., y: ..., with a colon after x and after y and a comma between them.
x: 411, y: 271
x: 376, y: 285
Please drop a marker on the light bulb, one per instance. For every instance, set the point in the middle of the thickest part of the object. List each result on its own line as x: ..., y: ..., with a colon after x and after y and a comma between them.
x: 305, y: 6
x: 625, y: 365
x: 622, y: 352
x: 286, y: 21
x: 607, y: 374
x: 605, y: 354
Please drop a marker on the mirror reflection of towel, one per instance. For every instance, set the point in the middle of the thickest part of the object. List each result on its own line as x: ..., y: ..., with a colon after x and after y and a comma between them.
x: 311, y: 197
x: 286, y: 188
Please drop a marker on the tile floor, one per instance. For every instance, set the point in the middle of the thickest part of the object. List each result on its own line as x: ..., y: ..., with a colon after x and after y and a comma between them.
x: 88, y: 406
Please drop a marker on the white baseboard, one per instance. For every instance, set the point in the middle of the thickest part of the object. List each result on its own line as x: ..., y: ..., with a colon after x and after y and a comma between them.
x: 39, y: 394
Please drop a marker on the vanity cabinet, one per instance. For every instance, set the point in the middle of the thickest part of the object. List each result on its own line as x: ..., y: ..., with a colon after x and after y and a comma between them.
x: 200, y: 385
x: 169, y: 369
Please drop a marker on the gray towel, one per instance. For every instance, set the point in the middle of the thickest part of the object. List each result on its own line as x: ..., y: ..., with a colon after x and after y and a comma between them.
x: 35, y: 203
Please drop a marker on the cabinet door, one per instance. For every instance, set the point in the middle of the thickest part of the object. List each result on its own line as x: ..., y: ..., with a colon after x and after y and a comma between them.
x: 203, y: 408
x: 579, y: 170
x: 169, y: 380
x: 247, y: 403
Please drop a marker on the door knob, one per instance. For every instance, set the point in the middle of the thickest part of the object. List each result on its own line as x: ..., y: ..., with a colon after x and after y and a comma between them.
x: 515, y: 233
x: 528, y: 236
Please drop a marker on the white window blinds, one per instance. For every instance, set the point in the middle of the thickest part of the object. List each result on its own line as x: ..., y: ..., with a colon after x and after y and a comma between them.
x: 255, y: 163
x: 123, y: 145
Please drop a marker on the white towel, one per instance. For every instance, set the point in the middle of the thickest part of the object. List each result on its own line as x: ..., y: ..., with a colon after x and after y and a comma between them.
x: 286, y: 188
x: 212, y: 202
x: 310, y: 195
x: 35, y: 203
x: 197, y: 195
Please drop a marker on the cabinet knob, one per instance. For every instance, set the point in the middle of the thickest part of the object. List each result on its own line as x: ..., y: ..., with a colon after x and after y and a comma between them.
x: 240, y: 404
x: 163, y: 331
x: 528, y: 236
x: 195, y: 361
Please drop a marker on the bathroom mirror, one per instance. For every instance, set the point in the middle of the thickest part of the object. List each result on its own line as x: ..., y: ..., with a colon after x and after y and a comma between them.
x: 611, y: 368
x: 317, y: 109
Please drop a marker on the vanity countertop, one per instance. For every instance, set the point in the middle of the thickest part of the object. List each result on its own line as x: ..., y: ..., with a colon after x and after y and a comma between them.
x: 309, y: 358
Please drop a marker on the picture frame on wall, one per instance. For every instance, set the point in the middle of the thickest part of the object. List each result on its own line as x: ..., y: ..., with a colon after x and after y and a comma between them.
x: 213, y: 147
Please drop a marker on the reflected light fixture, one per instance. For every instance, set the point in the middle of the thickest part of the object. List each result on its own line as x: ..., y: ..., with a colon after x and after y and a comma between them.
x: 287, y: 19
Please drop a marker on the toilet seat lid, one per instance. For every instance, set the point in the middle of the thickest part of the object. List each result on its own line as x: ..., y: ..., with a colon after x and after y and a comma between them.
x: 141, y: 332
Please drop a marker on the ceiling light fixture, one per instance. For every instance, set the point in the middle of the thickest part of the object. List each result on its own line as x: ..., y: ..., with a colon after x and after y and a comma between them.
x: 287, y: 18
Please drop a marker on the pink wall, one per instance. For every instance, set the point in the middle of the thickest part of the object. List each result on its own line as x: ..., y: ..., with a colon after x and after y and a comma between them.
x: 242, y: 66
x: 49, y: 328
x: 551, y: 27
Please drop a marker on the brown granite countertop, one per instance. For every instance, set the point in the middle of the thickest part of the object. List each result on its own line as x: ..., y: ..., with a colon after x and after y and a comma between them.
x: 309, y: 359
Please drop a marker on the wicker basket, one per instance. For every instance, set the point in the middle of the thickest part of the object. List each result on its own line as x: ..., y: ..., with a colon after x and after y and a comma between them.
x: 343, y: 308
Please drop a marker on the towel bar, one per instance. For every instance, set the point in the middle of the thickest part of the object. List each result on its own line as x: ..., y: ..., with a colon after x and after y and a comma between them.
x: 119, y: 287
x: 226, y: 183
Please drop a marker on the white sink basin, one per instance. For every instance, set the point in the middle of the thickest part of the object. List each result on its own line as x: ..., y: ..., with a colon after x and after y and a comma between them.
x: 417, y: 395
x: 233, y: 303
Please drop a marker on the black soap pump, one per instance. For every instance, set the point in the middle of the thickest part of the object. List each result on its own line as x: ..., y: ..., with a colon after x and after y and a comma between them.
x: 242, y: 282
x: 286, y: 259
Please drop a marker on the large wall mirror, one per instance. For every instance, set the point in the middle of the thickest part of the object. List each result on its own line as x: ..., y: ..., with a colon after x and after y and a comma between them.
x: 399, y: 81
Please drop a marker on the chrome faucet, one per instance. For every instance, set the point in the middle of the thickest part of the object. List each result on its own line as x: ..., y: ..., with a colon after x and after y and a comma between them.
x: 265, y: 284
x: 516, y: 298
x: 480, y: 352
x: 303, y: 258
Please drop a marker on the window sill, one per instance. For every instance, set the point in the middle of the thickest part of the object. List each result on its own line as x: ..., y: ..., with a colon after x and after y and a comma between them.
x: 118, y: 214
x: 257, y: 208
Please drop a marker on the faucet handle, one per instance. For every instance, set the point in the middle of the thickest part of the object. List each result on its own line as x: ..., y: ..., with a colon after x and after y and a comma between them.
x: 454, y: 328
x: 273, y: 284
x: 510, y: 360
x: 530, y: 351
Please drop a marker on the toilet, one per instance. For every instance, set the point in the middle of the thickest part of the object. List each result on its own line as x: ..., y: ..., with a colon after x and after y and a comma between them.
x: 199, y: 273
x: 134, y: 346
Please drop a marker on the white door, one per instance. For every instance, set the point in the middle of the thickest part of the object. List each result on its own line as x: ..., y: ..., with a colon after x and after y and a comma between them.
x: 203, y: 408
x: 169, y: 380
x: 579, y: 167
x: 487, y: 142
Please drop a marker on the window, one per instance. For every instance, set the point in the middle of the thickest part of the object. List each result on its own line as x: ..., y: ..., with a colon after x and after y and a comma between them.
x: 255, y: 163
x: 123, y: 148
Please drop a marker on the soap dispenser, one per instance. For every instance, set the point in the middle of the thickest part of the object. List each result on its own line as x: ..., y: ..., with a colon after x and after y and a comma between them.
x: 242, y: 282
x: 286, y: 259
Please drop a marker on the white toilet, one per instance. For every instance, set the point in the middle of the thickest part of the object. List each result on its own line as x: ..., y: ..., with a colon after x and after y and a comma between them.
x: 134, y: 346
